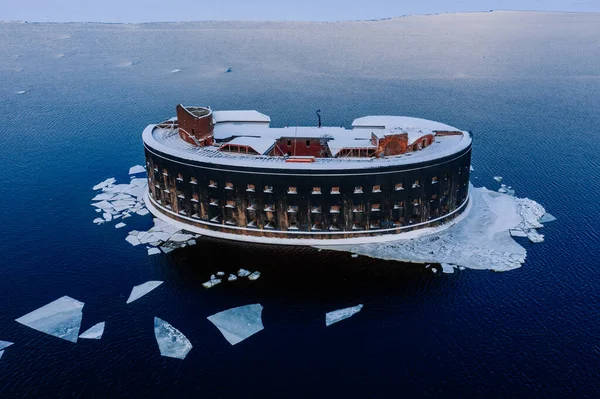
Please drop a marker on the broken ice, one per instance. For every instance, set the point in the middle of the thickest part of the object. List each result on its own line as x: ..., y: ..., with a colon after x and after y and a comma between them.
x: 480, y: 238
x: 153, y: 251
x: 232, y: 277
x: 254, y: 276
x: 243, y: 273
x: 341, y: 314
x: 239, y: 323
x: 171, y: 342
x: 5, y: 344
x: 211, y: 283
x: 94, y: 332
x: 447, y: 268
x: 546, y: 218
x: 137, y: 169
x: 140, y: 290
x: 60, y: 318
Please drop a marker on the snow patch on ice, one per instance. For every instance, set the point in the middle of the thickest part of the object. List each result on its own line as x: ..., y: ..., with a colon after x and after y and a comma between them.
x: 140, y: 290
x: 341, y: 314
x: 239, y: 323
x: 94, y: 332
x: 60, y: 318
x: 171, y: 342
x: 481, y: 240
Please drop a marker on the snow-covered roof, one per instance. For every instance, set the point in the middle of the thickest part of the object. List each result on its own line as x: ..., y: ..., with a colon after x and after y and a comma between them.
x: 259, y: 135
x: 260, y: 145
x: 335, y: 146
x: 414, y: 133
x: 402, y: 122
x: 240, y: 116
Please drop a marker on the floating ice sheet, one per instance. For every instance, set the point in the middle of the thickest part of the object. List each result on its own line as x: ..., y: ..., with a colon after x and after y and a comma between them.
x: 447, y: 268
x: 105, y: 183
x: 243, y: 273
x: 153, y: 251
x: 140, y: 290
x: 211, y: 283
x: 171, y: 342
x: 137, y: 169
x: 94, y: 332
x: 232, y: 277
x: 5, y: 344
x: 254, y: 276
x: 480, y: 240
x: 239, y: 323
x: 341, y: 314
x: 60, y: 318
x: 546, y: 218
x: 119, y: 225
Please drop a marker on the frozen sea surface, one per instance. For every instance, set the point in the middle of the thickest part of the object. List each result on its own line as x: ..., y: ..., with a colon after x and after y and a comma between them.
x: 239, y: 323
x: 60, y: 318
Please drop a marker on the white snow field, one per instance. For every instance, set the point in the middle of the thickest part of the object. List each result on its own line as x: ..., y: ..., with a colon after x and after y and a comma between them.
x: 94, y: 332
x: 171, y: 342
x: 140, y: 290
x: 239, y: 323
x: 481, y: 240
x: 341, y: 314
x: 60, y: 318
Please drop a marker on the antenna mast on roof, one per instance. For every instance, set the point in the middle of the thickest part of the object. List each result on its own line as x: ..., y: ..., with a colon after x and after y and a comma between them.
x: 319, y: 116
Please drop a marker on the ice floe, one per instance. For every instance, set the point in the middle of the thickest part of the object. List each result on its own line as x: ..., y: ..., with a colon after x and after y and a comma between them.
x: 21, y: 92
x: 232, y: 277
x: 94, y: 332
x: 243, y: 273
x: 447, y: 268
x: 254, y: 276
x: 480, y: 240
x: 140, y: 290
x: 60, y: 318
x: 498, y: 178
x: 212, y: 282
x: 546, y: 218
x: 239, y: 323
x: 341, y: 314
x: 153, y: 251
x: 176, y: 70
x: 119, y: 225
x: 105, y: 183
x: 5, y: 344
x: 171, y: 342
x: 137, y: 169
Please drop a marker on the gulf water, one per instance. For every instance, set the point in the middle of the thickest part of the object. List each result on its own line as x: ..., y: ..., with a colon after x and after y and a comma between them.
x: 527, y: 85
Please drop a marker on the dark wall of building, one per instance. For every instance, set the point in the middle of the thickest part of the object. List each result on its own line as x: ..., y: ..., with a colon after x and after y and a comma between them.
x: 301, y: 146
x: 220, y: 197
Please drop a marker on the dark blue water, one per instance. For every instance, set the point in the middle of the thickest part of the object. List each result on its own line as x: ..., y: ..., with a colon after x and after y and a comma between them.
x: 530, y: 332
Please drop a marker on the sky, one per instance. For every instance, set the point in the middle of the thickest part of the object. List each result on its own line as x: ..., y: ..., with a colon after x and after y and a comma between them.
x: 134, y: 11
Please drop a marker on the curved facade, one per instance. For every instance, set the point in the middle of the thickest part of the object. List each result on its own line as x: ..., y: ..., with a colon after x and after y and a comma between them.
x: 317, y: 199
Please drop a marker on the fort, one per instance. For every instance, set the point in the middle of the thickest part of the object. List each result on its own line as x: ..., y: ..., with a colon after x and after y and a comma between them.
x: 230, y: 174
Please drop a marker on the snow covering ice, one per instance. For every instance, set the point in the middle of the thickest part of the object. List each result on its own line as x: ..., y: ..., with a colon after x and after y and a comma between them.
x: 94, y: 332
x: 171, y: 342
x: 137, y: 169
x: 140, y: 290
x: 341, y: 314
x: 5, y: 344
x: 60, y: 318
x: 239, y: 323
x: 480, y: 240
